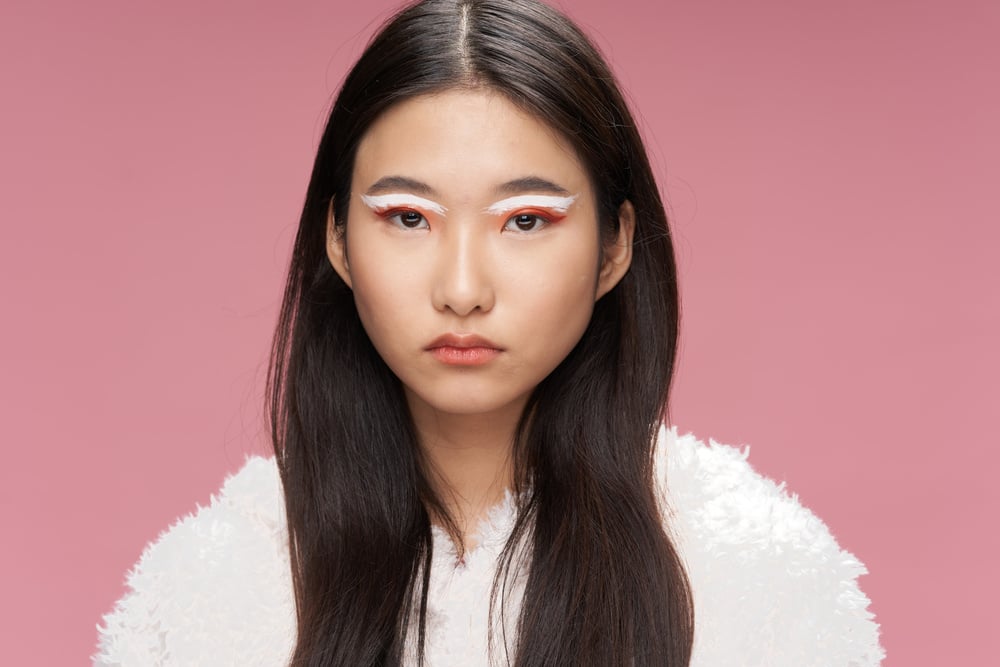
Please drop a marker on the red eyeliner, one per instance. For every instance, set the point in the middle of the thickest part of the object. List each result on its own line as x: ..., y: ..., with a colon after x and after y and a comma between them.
x: 546, y: 214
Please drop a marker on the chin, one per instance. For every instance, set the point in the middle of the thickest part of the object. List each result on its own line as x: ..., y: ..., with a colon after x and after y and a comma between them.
x: 467, y: 402
x: 464, y: 405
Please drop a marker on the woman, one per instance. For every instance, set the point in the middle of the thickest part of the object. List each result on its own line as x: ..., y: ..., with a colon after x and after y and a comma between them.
x: 468, y: 388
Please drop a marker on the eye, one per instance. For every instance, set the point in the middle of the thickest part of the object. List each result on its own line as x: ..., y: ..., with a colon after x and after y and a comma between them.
x: 407, y: 219
x: 525, y: 222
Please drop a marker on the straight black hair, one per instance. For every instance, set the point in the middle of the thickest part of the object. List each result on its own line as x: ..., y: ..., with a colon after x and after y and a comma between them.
x: 604, y: 584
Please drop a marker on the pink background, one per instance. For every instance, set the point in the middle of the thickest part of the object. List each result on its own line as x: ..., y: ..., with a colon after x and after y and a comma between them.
x: 831, y: 169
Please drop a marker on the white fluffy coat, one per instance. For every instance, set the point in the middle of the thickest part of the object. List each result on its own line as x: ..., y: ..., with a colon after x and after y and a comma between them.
x: 771, y: 585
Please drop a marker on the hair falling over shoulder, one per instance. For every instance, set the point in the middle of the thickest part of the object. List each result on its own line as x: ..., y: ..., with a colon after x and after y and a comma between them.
x: 605, y: 584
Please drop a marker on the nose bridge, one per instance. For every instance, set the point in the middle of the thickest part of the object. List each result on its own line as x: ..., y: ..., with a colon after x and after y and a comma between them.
x: 463, y: 269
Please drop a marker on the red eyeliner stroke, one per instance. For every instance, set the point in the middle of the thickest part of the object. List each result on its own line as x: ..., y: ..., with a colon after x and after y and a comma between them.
x: 396, y: 210
x: 547, y: 215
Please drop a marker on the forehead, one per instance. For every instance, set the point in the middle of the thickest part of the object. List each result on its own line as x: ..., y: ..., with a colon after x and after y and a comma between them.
x: 464, y: 143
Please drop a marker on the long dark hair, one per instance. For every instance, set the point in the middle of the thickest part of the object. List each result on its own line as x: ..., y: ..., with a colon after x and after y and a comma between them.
x: 604, y: 584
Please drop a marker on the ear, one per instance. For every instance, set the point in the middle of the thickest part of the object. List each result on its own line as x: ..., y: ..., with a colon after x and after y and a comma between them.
x: 618, y: 255
x: 336, y: 247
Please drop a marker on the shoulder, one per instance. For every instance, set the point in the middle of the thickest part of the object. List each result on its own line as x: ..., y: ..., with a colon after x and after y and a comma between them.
x: 214, y: 588
x: 771, y: 585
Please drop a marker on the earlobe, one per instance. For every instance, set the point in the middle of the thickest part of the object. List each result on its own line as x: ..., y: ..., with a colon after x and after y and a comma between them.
x: 618, y: 255
x: 336, y: 247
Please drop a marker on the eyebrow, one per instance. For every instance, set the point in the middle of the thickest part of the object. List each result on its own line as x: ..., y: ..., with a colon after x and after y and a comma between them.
x: 397, y: 183
x: 516, y: 186
x: 531, y: 184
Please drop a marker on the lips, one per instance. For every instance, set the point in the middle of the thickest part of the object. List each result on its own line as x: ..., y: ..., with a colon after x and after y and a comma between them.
x: 462, y: 341
x: 463, y: 349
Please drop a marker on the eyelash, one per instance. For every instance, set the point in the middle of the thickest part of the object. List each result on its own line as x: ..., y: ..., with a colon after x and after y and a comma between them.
x: 394, y: 216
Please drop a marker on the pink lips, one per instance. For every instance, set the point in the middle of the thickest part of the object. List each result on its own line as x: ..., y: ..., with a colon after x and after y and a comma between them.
x: 463, y: 350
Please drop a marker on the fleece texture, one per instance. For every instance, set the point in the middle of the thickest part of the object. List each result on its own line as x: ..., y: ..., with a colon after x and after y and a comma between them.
x: 771, y: 585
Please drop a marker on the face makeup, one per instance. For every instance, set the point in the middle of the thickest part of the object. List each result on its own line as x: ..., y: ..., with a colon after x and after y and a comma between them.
x: 558, y: 204
x: 388, y: 201
x: 470, y: 317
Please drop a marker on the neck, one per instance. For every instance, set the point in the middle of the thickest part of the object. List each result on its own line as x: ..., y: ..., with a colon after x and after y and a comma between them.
x: 469, y: 461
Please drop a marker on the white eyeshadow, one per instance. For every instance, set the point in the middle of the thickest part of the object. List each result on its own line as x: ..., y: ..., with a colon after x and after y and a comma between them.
x: 387, y: 201
x: 541, y: 201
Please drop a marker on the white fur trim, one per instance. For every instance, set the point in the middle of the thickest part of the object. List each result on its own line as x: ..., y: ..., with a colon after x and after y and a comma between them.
x: 771, y: 585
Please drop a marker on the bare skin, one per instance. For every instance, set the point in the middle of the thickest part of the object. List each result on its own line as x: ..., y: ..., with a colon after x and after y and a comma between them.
x: 469, y: 462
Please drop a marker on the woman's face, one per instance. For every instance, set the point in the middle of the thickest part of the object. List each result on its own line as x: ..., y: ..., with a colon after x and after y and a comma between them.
x: 472, y: 249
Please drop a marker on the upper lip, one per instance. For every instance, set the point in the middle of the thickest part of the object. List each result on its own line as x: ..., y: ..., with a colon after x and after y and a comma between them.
x: 462, y: 340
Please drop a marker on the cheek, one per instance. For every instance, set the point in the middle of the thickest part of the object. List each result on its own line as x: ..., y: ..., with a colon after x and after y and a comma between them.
x: 554, y: 296
x: 557, y: 291
x: 384, y: 288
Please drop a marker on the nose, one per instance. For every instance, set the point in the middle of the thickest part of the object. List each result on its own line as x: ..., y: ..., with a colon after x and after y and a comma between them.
x: 463, y: 280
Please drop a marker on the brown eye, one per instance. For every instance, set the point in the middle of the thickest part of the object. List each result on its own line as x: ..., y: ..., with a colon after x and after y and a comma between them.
x: 409, y: 220
x: 525, y: 222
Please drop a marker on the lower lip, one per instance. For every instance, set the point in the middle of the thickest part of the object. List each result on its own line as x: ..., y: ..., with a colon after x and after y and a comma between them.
x: 465, y: 356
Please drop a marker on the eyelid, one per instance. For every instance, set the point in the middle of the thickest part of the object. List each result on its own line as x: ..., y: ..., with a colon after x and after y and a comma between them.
x: 545, y: 214
x: 544, y: 202
x: 400, y: 201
